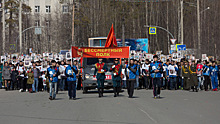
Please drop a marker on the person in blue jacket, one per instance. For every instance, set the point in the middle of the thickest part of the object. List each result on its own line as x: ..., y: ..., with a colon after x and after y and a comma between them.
x: 214, y: 76
x: 76, y: 70
x: 218, y: 72
x: 131, y: 76
x: 156, y: 71
x: 70, y: 73
x: 206, y: 75
x: 137, y: 74
x: 52, y: 74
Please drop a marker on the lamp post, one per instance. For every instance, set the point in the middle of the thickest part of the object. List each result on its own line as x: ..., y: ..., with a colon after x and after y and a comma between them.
x: 3, y: 26
x: 181, y: 21
x: 199, y: 34
x: 20, y: 25
x: 198, y: 19
x: 73, y: 20
x: 199, y: 26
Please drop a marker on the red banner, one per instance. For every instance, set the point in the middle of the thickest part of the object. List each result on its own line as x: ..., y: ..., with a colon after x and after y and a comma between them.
x: 101, y: 52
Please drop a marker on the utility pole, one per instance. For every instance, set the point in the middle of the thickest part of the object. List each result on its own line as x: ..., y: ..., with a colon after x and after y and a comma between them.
x: 179, y: 28
x: 123, y: 33
x: 181, y: 4
x: 73, y: 42
x: 199, y: 40
x: 147, y: 20
x: 20, y: 25
x: 168, y: 45
x: 3, y: 26
x: 123, y: 28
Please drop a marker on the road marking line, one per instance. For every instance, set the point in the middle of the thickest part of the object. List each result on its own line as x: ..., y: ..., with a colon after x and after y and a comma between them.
x: 148, y: 115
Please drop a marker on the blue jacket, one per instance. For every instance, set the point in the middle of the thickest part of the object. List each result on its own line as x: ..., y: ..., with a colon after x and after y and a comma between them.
x: 138, y: 70
x: 165, y: 65
x: 214, y: 71
x: 156, y: 66
x: 75, y: 69
x: 51, y: 71
x: 206, y: 70
x: 70, y: 73
x: 132, y: 71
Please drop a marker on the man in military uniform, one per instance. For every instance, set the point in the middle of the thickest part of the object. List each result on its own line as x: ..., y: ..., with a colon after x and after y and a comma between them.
x: 116, y: 77
x: 100, y: 69
x: 185, y: 74
x: 193, y: 77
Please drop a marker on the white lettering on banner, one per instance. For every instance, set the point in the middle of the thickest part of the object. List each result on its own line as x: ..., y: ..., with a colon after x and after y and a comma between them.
x: 108, y: 77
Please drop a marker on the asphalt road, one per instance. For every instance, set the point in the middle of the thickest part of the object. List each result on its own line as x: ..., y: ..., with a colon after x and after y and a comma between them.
x: 175, y: 107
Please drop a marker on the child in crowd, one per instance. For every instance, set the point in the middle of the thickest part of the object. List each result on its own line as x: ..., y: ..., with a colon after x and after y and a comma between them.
x: 14, y: 78
x: 30, y: 79
x: 44, y: 82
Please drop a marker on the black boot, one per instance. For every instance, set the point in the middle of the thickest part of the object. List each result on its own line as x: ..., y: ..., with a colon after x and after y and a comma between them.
x: 118, y: 90
x: 115, y: 92
x: 99, y: 92
x: 102, y: 92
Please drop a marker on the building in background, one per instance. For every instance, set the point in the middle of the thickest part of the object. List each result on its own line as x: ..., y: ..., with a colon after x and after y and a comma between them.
x: 53, y: 17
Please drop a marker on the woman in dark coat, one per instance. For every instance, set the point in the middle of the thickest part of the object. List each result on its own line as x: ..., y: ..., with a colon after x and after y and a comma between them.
x: 193, y: 77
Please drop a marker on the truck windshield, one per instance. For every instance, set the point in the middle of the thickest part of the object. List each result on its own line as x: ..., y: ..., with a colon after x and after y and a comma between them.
x: 92, y: 61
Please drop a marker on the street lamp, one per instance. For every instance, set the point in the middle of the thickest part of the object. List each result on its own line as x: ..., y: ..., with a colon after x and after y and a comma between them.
x: 198, y: 19
x: 20, y: 25
x: 204, y: 10
x: 199, y: 26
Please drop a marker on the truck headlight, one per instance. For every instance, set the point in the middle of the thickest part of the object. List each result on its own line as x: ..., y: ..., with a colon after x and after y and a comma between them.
x: 87, y: 76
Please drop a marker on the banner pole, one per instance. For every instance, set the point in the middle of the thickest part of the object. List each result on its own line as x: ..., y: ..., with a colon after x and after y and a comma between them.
x: 129, y: 55
x: 71, y: 56
x: 81, y: 61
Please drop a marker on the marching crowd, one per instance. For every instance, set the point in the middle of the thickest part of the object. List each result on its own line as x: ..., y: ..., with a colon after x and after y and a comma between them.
x: 172, y: 75
x: 130, y: 74
x: 40, y: 77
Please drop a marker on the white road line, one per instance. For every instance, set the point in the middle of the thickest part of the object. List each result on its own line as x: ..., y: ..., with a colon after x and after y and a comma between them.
x: 148, y: 115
